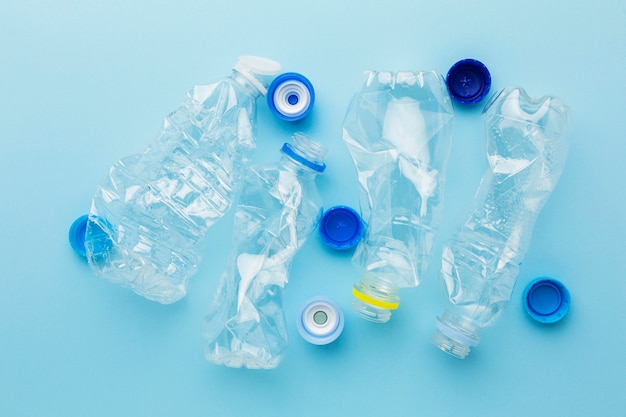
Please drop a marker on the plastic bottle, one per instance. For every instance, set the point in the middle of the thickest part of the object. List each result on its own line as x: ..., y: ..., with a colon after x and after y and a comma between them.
x: 526, y: 149
x: 278, y: 209
x: 156, y: 207
x: 398, y: 130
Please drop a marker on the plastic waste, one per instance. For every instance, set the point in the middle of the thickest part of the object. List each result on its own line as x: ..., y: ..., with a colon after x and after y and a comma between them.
x: 546, y: 300
x: 526, y: 149
x: 320, y: 321
x: 291, y: 96
x: 469, y: 81
x: 155, y: 208
x: 341, y: 228
x: 398, y: 130
x: 277, y: 211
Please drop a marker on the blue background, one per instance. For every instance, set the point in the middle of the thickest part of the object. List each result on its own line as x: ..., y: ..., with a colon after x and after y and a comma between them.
x: 83, y: 83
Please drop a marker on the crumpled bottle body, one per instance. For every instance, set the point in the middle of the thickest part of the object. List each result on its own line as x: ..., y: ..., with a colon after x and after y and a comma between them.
x: 526, y: 150
x: 156, y: 207
x: 278, y: 209
x: 398, y: 130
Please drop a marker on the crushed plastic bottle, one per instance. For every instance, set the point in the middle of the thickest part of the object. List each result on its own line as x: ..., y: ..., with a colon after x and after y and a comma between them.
x: 527, y: 149
x: 398, y: 130
x: 154, y: 208
x: 278, y: 209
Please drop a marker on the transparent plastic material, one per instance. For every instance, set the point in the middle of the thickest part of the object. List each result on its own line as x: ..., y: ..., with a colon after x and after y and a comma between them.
x: 398, y: 130
x: 278, y: 209
x: 527, y: 149
x: 154, y: 208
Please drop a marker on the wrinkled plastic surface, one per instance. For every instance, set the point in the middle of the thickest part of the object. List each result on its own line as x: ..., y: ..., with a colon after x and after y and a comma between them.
x: 398, y: 130
x: 278, y: 209
x: 156, y: 207
x: 527, y: 150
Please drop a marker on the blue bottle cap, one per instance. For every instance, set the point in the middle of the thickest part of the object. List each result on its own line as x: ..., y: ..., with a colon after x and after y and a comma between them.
x: 100, y: 240
x: 320, y: 321
x: 468, y: 81
x: 78, y: 229
x: 341, y: 227
x: 546, y: 300
x: 290, y: 96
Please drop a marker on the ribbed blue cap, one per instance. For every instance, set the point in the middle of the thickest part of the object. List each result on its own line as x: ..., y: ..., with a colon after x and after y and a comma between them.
x: 468, y: 81
x: 341, y: 227
x: 546, y: 300
x: 320, y: 321
x: 290, y: 96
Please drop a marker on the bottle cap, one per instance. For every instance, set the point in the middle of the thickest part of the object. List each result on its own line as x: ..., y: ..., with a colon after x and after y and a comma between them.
x: 468, y: 81
x: 78, y: 229
x: 320, y: 321
x: 99, y: 240
x: 290, y: 96
x: 259, y: 71
x: 341, y: 227
x: 546, y: 300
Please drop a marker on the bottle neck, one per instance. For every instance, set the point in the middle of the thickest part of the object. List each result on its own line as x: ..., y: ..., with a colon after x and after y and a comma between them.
x: 304, y: 154
x: 297, y: 167
x: 246, y: 84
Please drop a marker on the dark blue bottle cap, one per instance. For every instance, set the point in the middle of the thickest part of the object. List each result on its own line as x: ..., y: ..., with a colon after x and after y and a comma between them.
x: 341, y: 227
x: 468, y: 81
x: 546, y: 300
x: 320, y: 321
x: 78, y: 229
x: 290, y: 96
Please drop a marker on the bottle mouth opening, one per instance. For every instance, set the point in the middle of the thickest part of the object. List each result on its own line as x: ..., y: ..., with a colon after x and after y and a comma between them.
x: 450, y: 346
x: 369, y: 312
x: 453, y: 340
x: 306, y: 152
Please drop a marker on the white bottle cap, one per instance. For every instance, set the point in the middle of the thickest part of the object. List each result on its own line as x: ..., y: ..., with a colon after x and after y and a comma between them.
x: 258, y: 70
x: 320, y: 321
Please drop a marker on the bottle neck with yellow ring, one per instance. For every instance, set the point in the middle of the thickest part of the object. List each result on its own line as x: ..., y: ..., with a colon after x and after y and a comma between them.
x: 374, y: 301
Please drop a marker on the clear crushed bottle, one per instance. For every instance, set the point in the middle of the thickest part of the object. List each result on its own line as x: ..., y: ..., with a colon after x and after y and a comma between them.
x: 278, y: 209
x: 398, y: 130
x: 153, y: 209
x: 527, y: 150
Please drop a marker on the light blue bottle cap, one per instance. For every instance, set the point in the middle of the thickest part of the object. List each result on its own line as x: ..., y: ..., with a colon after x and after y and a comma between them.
x: 546, y: 300
x: 101, y: 242
x: 320, y: 321
x: 468, y: 81
x: 341, y: 227
x: 290, y: 96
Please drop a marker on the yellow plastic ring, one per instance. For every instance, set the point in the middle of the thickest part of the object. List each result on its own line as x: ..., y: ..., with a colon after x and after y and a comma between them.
x: 374, y: 301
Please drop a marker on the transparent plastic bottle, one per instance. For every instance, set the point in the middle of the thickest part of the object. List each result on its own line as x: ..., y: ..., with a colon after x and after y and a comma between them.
x: 527, y: 149
x: 154, y: 208
x: 398, y: 130
x: 278, y: 209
